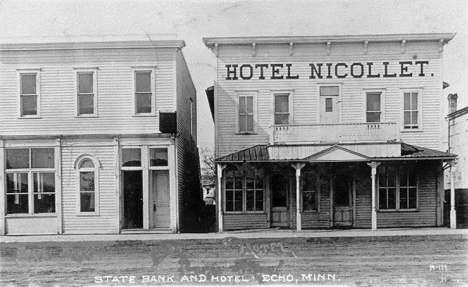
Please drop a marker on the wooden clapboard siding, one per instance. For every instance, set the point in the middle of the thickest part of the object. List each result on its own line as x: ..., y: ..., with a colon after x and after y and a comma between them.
x: 305, y: 90
x: 427, y: 200
x: 246, y: 221
x: 57, y: 87
x: 103, y: 222
x: 189, y: 186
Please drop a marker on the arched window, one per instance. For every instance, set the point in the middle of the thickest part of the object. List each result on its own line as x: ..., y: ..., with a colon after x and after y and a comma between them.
x: 87, y: 169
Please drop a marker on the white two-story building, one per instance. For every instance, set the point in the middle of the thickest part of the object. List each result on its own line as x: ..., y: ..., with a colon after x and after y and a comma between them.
x: 97, y: 137
x: 329, y: 131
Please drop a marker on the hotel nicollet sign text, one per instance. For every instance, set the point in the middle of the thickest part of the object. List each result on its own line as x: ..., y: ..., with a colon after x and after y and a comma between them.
x: 280, y: 71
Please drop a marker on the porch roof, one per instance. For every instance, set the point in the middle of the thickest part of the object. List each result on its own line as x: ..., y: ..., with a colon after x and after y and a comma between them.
x: 387, y: 151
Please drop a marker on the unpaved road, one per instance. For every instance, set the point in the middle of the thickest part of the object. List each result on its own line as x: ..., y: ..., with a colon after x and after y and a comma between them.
x: 365, y: 261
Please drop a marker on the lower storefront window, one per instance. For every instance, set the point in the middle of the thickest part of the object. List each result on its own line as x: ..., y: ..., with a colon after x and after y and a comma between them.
x: 30, y: 176
x: 244, y: 193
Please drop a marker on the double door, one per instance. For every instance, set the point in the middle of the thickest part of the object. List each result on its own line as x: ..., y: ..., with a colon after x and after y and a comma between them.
x: 133, y: 200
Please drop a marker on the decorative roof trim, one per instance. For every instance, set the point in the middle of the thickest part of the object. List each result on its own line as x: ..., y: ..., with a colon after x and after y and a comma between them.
x: 442, y: 38
x: 332, y: 148
x: 178, y: 44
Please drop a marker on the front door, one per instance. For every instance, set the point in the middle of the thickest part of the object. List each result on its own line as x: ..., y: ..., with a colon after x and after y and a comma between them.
x: 133, y: 199
x: 160, y: 199
x: 329, y: 108
x: 279, y: 187
x: 343, y: 195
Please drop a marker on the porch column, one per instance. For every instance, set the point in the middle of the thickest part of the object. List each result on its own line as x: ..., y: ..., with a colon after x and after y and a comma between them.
x: 374, y: 166
x: 219, y: 203
x: 298, y: 167
x: 453, y: 212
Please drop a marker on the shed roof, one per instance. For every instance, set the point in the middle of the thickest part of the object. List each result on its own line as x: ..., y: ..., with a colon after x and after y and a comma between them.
x: 269, y: 153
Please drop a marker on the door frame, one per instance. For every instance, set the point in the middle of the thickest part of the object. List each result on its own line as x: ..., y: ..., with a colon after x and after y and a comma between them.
x: 319, y: 102
x: 288, y: 200
x: 352, y: 198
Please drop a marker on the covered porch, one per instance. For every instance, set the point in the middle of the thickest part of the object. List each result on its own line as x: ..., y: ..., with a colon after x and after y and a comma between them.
x: 331, y: 186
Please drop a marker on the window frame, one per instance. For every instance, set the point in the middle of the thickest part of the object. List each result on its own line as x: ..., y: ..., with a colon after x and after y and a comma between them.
x: 338, y: 104
x: 79, y: 71
x: 152, y: 70
x: 78, y: 171
x: 254, y: 112
x: 382, y: 104
x: 419, y: 92
x: 244, y: 191
x: 317, y: 191
x: 37, y: 73
x: 31, y: 172
x: 398, y: 185
x: 290, y: 95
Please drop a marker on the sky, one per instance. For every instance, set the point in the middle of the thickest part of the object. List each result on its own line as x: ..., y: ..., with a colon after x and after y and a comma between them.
x: 23, y: 20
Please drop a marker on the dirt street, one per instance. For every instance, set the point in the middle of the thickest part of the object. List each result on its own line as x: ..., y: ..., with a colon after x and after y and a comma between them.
x: 364, y: 261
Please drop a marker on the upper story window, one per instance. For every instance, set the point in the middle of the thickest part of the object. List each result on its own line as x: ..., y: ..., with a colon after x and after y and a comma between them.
x: 86, y: 92
x: 246, y: 113
x: 30, y: 177
x: 87, y: 185
x: 29, y: 94
x: 411, y: 110
x: 144, y: 92
x: 374, y: 107
x: 282, y: 108
x: 398, y: 188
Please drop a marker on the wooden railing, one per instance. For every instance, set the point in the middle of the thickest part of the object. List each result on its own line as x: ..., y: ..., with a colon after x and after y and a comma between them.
x: 335, y: 133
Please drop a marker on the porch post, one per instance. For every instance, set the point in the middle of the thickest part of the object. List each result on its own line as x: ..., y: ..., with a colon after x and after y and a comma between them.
x: 374, y: 166
x: 453, y: 212
x: 298, y: 167
x: 220, y: 168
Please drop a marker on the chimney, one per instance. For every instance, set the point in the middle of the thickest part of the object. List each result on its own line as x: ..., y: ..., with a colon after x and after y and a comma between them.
x: 452, y: 99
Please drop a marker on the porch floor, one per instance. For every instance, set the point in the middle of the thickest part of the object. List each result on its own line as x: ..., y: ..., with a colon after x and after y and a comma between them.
x: 261, y: 233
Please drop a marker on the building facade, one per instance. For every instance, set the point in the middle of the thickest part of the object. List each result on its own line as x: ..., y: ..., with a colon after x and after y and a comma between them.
x: 457, y: 176
x: 97, y: 137
x: 329, y: 132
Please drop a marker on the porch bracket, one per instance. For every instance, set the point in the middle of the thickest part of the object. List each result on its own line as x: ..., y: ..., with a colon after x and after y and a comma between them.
x: 453, y: 212
x: 220, y: 168
x: 298, y: 167
x: 374, y: 166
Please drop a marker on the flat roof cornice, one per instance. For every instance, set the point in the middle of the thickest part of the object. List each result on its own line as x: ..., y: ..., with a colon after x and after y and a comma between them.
x: 179, y: 44
x: 445, y: 37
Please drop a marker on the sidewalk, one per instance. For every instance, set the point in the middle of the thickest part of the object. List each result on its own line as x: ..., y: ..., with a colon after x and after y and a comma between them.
x: 332, y: 233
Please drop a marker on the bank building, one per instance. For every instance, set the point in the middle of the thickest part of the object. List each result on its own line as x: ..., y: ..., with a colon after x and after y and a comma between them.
x: 329, y: 131
x: 97, y: 136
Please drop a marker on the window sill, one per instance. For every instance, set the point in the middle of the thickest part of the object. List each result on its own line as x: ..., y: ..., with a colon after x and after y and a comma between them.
x: 398, y: 210
x: 90, y: 214
x: 27, y: 215
x: 30, y: 117
x: 310, y: 212
x: 144, y: 115
x: 246, y: 133
x: 86, y: 116
x: 411, y: 130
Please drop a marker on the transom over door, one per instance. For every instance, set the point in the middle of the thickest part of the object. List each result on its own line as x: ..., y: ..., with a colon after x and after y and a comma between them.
x: 279, y: 187
x: 329, y: 109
